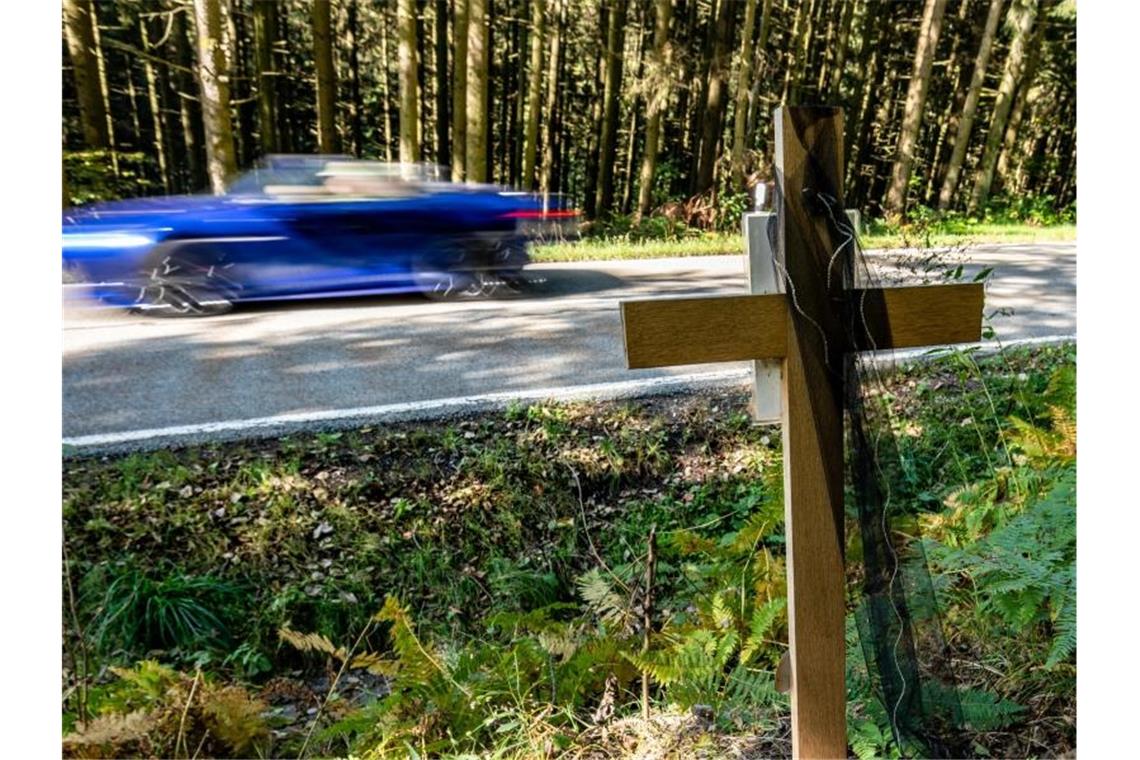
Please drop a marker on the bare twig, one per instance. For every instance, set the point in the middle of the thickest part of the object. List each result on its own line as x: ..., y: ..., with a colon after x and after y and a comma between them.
x: 647, y: 612
x: 82, y: 639
x: 180, y: 741
x: 586, y: 530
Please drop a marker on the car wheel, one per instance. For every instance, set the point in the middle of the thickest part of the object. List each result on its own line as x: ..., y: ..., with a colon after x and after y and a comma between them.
x: 458, y: 271
x: 178, y: 283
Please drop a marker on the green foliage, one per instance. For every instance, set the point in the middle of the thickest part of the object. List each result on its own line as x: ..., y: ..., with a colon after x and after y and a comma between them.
x: 91, y: 176
x: 622, y: 228
x: 519, y: 543
x: 1024, y: 572
x: 138, y: 611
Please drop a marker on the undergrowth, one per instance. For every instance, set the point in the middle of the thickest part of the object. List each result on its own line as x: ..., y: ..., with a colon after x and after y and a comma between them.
x: 480, y: 587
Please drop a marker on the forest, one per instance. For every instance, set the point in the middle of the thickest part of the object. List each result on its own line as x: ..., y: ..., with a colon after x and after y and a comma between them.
x: 630, y: 108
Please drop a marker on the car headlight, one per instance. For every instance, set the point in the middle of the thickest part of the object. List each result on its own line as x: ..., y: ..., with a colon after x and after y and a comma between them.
x: 115, y: 240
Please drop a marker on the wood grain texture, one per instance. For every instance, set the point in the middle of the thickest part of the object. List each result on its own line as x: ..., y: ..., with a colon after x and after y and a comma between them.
x: 918, y: 316
x: 670, y: 331
x: 808, y: 157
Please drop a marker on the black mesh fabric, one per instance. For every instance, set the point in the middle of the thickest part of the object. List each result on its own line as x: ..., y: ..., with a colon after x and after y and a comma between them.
x: 894, y: 607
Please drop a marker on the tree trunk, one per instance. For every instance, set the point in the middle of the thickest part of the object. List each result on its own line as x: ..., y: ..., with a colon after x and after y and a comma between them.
x: 743, y: 83
x: 557, y: 14
x: 82, y: 47
x: 215, y: 94
x: 656, y: 100
x: 459, y: 94
x: 1023, y: 14
x: 533, y: 93
x: 386, y: 86
x: 189, y: 106
x: 961, y: 32
x: 156, y: 116
x: 409, y: 96
x: 442, y: 97
x: 611, y: 106
x: 419, y: 7
x: 476, y: 154
x: 915, y: 104
x: 326, y: 76
x: 351, y: 41
x: 240, y: 82
x: 594, y: 126
x: 1009, y: 145
x: 841, y: 49
x: 288, y: 135
x: 635, y: 113
x: 264, y: 36
x: 801, y: 44
x: 970, y: 108
x: 715, y: 102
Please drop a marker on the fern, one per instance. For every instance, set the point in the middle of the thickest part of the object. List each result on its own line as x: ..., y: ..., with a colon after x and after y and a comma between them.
x: 985, y: 711
x: 1065, y: 630
x: 603, y: 601
x: 763, y: 618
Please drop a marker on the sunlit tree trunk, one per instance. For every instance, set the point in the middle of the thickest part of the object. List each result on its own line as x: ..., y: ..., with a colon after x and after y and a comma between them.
x: 264, y: 35
x: 534, y: 92
x: 82, y: 47
x: 915, y: 104
x: 326, y: 76
x: 841, y: 45
x: 631, y: 144
x: 214, y: 94
x: 156, y: 115
x: 1009, y: 145
x: 743, y: 83
x: 459, y: 94
x: 611, y: 106
x: 409, y: 95
x: 970, y: 108
x: 476, y: 155
x: 1023, y: 14
x: 656, y: 100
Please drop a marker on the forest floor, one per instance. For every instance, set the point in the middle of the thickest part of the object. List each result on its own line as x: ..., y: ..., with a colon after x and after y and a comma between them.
x: 248, y: 569
x: 697, y: 243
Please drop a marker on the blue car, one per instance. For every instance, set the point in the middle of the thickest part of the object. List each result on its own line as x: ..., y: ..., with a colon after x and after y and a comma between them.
x: 305, y: 227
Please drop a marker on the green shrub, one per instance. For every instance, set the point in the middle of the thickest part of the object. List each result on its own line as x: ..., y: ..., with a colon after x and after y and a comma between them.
x: 91, y: 176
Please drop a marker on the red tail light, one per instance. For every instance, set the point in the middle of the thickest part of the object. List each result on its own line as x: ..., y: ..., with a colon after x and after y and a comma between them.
x: 540, y: 214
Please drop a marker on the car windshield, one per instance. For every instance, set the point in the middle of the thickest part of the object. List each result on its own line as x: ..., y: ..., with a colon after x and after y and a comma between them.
x: 334, y: 176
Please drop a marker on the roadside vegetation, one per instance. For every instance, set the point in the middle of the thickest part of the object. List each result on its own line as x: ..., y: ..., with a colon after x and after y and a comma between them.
x: 1003, y: 220
x: 479, y: 587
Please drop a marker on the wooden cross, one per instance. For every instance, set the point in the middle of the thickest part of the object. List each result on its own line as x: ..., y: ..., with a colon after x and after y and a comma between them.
x: 805, y: 328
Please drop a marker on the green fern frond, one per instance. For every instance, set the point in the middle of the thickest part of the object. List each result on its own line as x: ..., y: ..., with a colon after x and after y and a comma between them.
x: 1065, y: 634
x: 763, y: 619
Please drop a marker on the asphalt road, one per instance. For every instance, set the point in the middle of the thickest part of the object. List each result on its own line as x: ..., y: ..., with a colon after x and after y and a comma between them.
x: 128, y: 373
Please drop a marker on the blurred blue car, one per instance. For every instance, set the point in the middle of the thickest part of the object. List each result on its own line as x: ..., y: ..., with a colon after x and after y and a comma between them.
x: 305, y: 227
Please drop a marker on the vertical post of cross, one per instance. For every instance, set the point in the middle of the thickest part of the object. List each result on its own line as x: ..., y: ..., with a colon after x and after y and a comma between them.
x: 808, y: 161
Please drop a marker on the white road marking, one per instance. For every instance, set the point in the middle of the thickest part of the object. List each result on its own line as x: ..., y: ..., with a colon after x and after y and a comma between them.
x: 599, y: 391
x: 439, y: 407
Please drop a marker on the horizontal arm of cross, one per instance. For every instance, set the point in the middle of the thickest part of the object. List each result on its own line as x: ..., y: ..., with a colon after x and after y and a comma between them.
x: 670, y: 331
